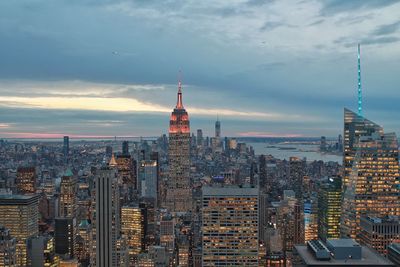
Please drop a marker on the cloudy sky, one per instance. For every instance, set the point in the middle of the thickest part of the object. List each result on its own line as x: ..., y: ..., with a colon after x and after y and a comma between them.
x: 267, y: 68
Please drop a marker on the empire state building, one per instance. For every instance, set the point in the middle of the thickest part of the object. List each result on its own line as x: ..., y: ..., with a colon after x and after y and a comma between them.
x: 179, y: 193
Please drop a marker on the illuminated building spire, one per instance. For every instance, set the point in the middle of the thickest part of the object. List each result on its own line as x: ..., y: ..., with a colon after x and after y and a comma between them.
x: 359, y: 83
x: 179, y: 104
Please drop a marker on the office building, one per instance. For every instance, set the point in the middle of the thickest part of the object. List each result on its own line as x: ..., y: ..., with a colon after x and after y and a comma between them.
x: 230, y: 226
x: 68, y: 199
x: 148, y: 179
x: 310, y: 205
x: 167, y: 233
x: 83, y: 242
x: 179, y: 193
x: 379, y: 233
x: 372, y: 186
x: 133, y: 230
x: 297, y: 171
x: 106, y: 220
x: 26, y: 180
x: 20, y: 214
x: 8, y: 253
x: 329, y: 207
x: 355, y: 126
x: 126, y: 167
x: 65, y: 236
x: 41, y: 252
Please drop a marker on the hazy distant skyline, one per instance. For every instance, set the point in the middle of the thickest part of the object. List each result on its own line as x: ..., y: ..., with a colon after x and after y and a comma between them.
x: 267, y: 68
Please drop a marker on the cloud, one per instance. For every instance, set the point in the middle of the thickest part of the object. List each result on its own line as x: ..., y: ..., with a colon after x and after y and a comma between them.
x: 125, y: 53
x: 271, y: 25
x: 387, y: 29
x: 370, y: 40
x: 332, y: 7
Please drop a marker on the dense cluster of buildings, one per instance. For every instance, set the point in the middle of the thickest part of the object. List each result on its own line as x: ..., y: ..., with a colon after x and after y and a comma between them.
x: 191, y: 200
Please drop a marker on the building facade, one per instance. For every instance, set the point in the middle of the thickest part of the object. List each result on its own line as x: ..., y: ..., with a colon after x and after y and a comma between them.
x: 372, y: 185
x: 230, y: 226
x: 20, y: 214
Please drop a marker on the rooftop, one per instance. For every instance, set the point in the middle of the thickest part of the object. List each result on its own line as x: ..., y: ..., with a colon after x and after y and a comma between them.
x: 368, y: 258
x: 230, y: 190
x: 342, y: 242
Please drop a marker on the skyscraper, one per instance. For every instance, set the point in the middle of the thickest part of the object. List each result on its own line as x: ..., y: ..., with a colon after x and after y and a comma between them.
x: 20, y: 214
x: 230, y: 226
x: 355, y: 126
x: 373, y: 177
x: 297, y: 171
x: 217, y: 129
x: 179, y: 193
x: 200, y: 140
x: 148, y: 179
x: 66, y: 146
x: 26, y: 180
x: 125, y: 148
x: 106, y: 219
x: 65, y: 236
x: 68, y: 198
x: 329, y: 208
x: 133, y: 230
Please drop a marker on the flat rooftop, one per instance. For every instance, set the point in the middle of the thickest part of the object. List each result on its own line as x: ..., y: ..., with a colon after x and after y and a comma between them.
x: 368, y: 258
x: 342, y: 242
x: 229, y: 190
x: 15, y: 199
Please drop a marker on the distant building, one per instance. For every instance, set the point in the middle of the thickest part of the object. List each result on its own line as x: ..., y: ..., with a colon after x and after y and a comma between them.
x: 379, y: 233
x: 230, y: 226
x: 66, y: 146
x: 297, y: 171
x: 200, y: 139
x: 218, y: 129
x: 323, y: 146
x: 125, y: 148
x: 26, y: 180
x: 20, y: 214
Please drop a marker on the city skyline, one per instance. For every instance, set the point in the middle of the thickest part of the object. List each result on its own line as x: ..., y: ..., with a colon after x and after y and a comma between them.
x: 255, y: 64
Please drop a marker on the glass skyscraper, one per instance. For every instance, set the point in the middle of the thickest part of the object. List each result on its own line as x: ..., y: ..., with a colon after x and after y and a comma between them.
x: 371, y: 162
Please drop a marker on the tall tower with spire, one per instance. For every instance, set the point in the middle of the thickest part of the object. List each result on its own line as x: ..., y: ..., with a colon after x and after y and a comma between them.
x: 218, y: 128
x: 359, y: 82
x: 179, y: 194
